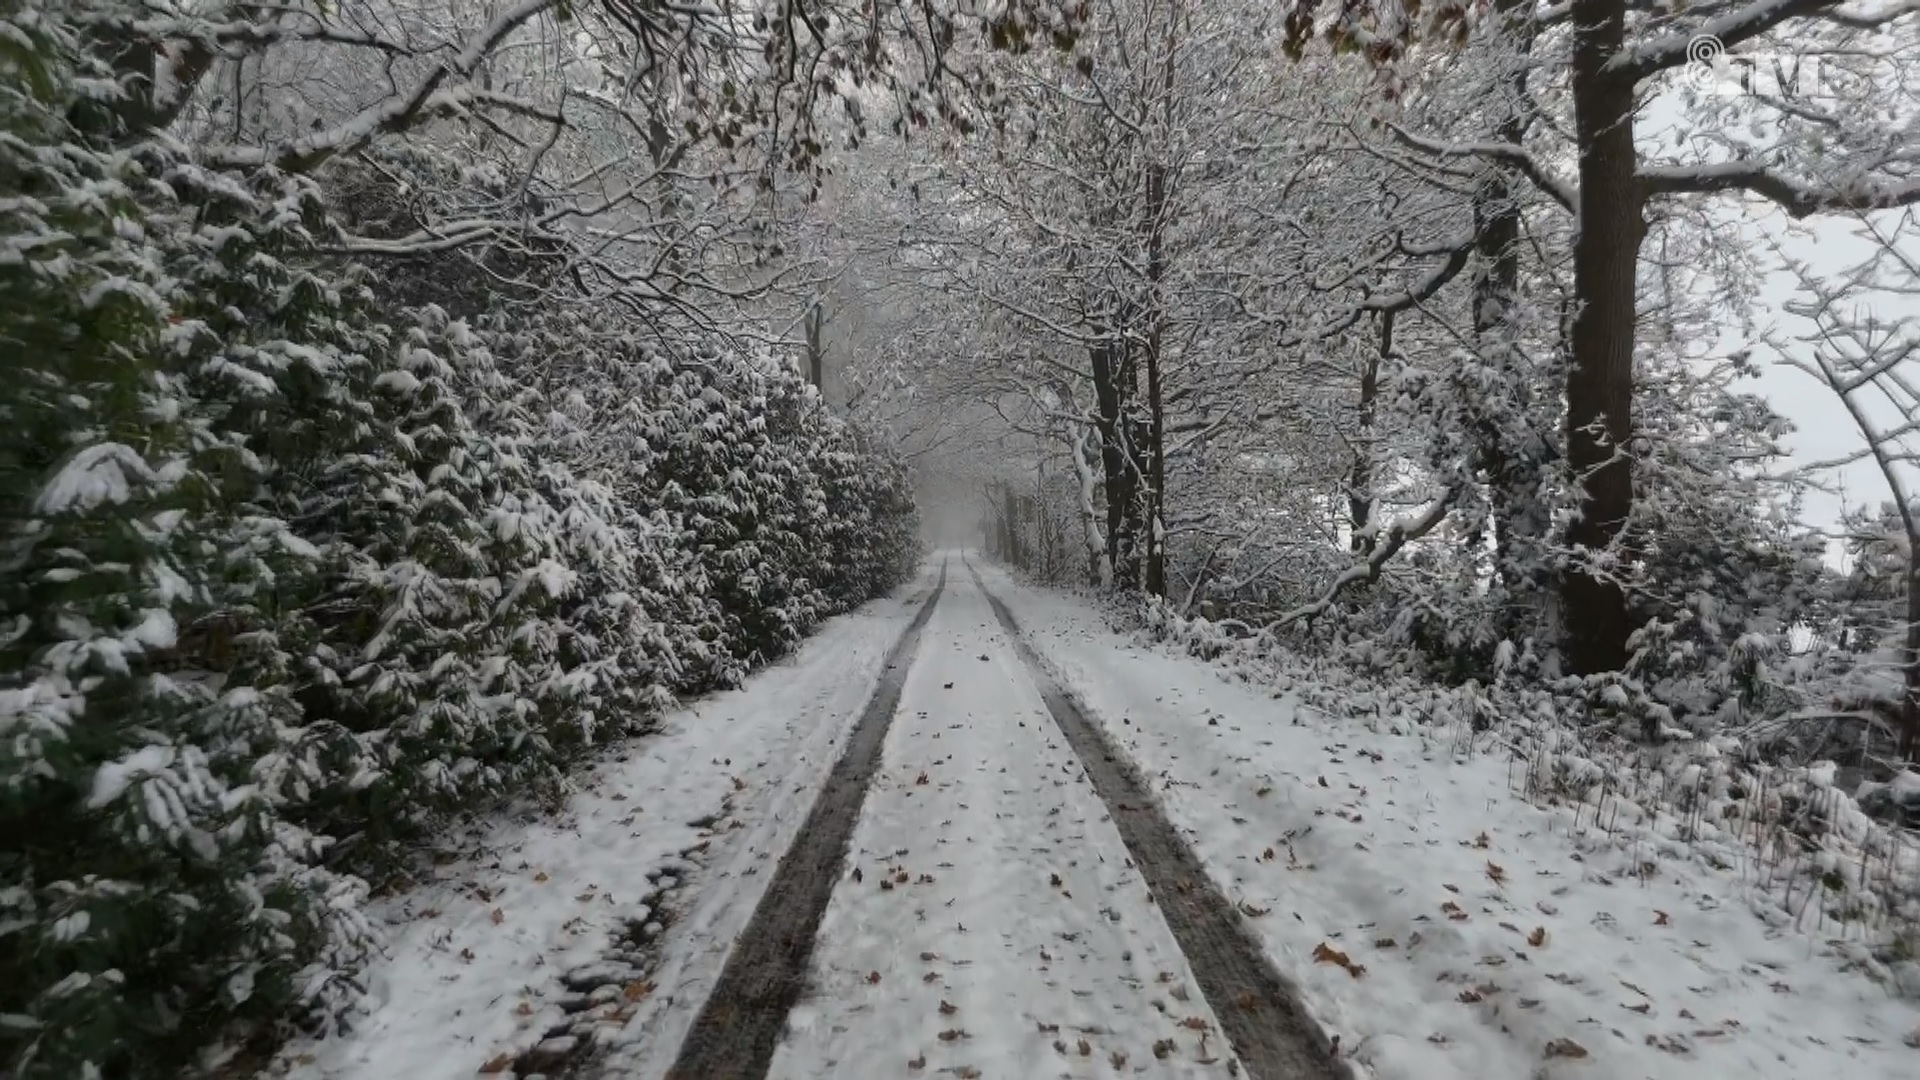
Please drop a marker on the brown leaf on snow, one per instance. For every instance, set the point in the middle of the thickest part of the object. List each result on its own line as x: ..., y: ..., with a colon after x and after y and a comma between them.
x: 1660, y: 918
x: 1267, y: 855
x: 1384, y: 943
x: 498, y: 916
x: 1251, y: 911
x: 541, y: 876
x: 1119, y: 1059
x: 499, y: 1064
x: 1055, y: 881
x: 1327, y: 954
x: 965, y: 1072
x: 1323, y: 781
x: 921, y: 780
x: 931, y: 976
x: 1565, y: 1048
x: 952, y: 1035
x: 1454, y: 911
x: 739, y: 784
x: 873, y: 977
x: 1482, y: 841
x: 920, y: 1062
x: 857, y: 875
x: 948, y: 1008
x: 636, y: 991
x: 1496, y: 872
x: 1196, y: 1023
x: 1538, y: 938
x: 525, y: 1008
x: 928, y: 957
x: 1470, y: 996
x: 1163, y: 1047
x: 1085, y: 1048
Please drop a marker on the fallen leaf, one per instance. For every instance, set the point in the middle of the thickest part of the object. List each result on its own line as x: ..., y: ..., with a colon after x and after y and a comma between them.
x: 1384, y: 943
x: 1497, y: 873
x: 1164, y: 1047
x: 1660, y: 918
x: 1470, y: 996
x: 952, y: 1034
x: 635, y: 991
x: 858, y: 876
x: 497, y: 1065
x: 1481, y: 841
x: 525, y: 1008
x: 1086, y: 1048
x: 965, y: 1072
x: 921, y: 780
x: 1196, y: 1023
x: 498, y: 916
x: 739, y: 784
x: 541, y: 876
x: 1538, y: 938
x: 873, y: 977
x: 1119, y: 1059
x: 948, y: 1008
x: 1327, y: 954
x: 920, y: 1062
x: 1565, y: 1048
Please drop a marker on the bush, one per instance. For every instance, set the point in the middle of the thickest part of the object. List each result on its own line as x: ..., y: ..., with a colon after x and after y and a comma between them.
x: 286, y: 572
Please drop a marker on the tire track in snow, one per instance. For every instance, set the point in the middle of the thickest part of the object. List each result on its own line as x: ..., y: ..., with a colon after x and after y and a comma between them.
x: 738, y: 1029
x: 1258, y: 1008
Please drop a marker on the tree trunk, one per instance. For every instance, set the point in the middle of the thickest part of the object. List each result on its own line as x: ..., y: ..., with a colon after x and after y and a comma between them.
x: 1600, y: 381
x: 1113, y: 387
x: 816, y: 352
x: 1156, y: 452
x: 1910, y: 733
x: 1514, y: 462
x: 1360, y: 482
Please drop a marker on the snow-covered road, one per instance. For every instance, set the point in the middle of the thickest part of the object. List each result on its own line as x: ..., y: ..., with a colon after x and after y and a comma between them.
x: 962, y: 902
x: 989, y: 922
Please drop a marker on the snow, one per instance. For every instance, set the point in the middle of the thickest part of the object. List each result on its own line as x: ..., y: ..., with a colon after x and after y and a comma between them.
x: 1491, y: 930
x: 474, y: 959
x: 996, y: 923
x: 95, y: 476
x: 1483, y: 935
x: 111, y: 780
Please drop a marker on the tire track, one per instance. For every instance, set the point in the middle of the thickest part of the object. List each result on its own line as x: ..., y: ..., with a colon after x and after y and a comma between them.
x: 739, y: 1027
x: 1259, y: 1008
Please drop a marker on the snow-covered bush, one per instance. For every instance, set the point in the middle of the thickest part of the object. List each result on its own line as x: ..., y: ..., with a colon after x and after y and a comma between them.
x: 289, y: 566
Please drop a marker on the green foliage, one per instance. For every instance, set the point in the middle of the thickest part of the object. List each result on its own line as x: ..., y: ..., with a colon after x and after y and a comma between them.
x: 287, y: 569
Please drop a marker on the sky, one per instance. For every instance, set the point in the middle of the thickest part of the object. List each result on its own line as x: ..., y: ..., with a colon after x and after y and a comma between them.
x: 1823, y: 429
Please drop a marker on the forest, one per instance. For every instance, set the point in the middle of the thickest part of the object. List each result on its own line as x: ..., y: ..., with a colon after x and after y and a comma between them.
x: 404, y: 400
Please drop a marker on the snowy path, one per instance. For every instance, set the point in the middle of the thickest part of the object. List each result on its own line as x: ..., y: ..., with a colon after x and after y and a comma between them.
x: 1446, y: 928
x: 478, y: 960
x: 979, y: 912
x: 991, y: 923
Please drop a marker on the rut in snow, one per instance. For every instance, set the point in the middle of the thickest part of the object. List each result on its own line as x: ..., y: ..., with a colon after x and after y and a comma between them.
x: 739, y: 1028
x: 1258, y: 1008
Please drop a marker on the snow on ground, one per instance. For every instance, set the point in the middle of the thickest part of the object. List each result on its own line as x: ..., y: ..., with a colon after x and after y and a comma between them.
x: 995, y: 927
x: 476, y: 958
x: 1492, y: 938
